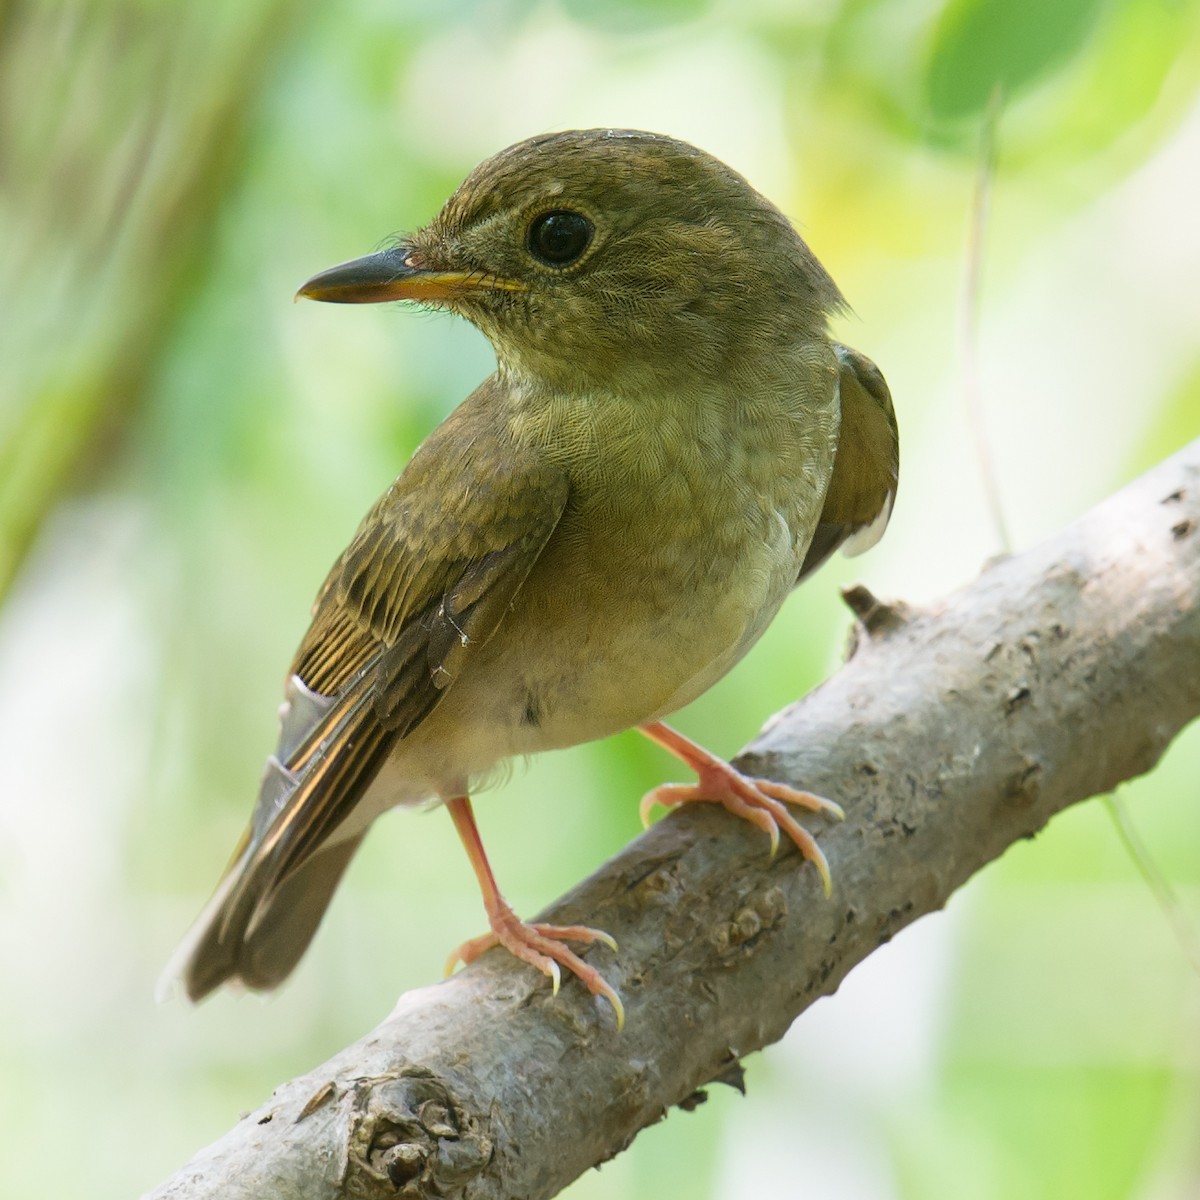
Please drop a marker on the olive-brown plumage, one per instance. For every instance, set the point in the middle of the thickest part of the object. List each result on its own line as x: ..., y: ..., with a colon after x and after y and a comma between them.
x: 596, y: 535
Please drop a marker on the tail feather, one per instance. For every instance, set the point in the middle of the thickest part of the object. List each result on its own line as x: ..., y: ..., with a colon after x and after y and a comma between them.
x: 269, y: 903
x: 200, y: 944
x: 215, y: 952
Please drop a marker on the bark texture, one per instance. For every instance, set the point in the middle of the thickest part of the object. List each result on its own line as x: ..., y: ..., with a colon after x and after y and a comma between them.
x: 950, y: 733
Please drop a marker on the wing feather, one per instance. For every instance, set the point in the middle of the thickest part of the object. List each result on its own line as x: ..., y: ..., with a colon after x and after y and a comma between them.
x: 866, y: 468
x: 429, y: 576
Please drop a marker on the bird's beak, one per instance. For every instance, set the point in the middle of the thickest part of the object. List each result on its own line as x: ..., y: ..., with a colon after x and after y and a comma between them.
x: 397, y: 274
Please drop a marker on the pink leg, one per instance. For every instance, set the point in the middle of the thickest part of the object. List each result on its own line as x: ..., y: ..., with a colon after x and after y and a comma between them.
x: 760, y: 801
x: 541, y: 946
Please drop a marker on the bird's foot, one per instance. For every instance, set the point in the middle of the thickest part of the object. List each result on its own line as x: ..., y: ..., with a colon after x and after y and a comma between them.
x: 763, y: 802
x: 544, y: 947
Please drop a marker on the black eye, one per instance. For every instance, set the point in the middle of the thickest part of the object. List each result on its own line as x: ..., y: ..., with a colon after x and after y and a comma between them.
x: 559, y: 238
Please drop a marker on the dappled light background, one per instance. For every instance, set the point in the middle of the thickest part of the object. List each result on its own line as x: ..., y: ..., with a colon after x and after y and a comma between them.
x: 183, y: 452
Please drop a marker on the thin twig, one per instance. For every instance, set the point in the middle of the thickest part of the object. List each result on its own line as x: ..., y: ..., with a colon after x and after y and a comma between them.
x: 969, y: 310
x: 1164, y: 894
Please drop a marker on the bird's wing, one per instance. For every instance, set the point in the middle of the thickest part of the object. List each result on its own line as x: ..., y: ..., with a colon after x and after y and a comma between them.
x: 428, y: 578
x: 866, y: 468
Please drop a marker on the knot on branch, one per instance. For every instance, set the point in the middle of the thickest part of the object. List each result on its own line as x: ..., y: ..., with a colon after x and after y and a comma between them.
x: 410, y: 1138
x: 877, y: 618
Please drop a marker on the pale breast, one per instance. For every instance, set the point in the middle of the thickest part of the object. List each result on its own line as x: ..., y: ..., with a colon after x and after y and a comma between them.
x: 683, y: 536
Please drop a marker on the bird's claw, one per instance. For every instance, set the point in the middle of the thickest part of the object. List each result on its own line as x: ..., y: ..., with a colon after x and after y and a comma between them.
x: 762, y: 802
x: 544, y: 947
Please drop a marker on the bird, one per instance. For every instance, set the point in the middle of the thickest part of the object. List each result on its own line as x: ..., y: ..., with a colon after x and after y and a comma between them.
x: 671, y: 441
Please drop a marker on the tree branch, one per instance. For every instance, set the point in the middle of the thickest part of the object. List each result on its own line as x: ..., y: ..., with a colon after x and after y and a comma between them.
x: 950, y: 733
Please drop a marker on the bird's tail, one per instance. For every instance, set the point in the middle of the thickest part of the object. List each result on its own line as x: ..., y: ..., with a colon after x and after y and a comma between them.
x: 223, y: 945
x: 270, y: 901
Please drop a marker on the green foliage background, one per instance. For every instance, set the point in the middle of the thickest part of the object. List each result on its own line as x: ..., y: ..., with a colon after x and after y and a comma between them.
x: 183, y: 452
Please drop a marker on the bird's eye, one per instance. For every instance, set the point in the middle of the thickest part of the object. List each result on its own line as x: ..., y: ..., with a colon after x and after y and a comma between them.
x: 559, y: 238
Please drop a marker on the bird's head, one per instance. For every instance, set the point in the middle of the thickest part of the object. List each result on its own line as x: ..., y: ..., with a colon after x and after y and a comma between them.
x: 604, y: 259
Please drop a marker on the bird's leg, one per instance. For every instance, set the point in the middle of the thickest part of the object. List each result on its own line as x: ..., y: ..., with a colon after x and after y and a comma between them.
x: 760, y: 801
x: 541, y: 946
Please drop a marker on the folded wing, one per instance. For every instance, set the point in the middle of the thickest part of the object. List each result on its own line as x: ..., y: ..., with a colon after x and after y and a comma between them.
x: 427, y: 579
x: 866, y: 469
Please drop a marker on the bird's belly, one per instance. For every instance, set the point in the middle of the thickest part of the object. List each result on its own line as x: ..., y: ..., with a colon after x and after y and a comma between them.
x: 547, y: 681
x: 592, y: 656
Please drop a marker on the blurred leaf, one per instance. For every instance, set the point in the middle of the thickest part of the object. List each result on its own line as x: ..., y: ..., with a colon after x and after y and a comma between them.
x: 1075, y: 75
x: 982, y: 45
x: 1141, y: 66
